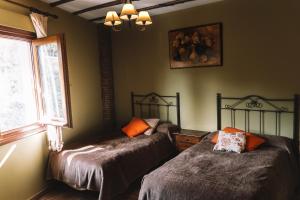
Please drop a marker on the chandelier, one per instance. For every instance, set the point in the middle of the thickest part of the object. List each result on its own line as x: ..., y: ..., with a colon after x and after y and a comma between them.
x: 128, y: 13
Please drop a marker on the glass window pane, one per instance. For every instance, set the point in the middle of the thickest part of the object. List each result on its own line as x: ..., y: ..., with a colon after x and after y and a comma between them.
x: 17, y: 97
x: 50, y: 81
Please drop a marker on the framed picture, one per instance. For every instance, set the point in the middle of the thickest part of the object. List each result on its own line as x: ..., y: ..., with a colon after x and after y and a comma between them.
x: 199, y: 46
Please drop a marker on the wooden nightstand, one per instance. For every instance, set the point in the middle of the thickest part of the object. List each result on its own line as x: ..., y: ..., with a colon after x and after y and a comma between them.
x: 187, y: 138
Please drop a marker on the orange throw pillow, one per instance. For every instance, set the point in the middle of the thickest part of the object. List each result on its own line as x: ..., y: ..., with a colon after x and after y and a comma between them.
x: 232, y: 130
x: 214, y: 138
x: 253, y: 141
x: 135, y: 127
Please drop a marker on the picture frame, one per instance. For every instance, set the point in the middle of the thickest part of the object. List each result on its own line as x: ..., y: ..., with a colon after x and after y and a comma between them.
x: 197, y: 46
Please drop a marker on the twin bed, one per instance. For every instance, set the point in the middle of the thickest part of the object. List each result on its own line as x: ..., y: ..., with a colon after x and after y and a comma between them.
x: 198, y: 173
x: 110, y: 165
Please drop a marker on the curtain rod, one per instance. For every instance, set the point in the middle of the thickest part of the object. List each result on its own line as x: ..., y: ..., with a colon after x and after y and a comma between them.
x: 33, y: 9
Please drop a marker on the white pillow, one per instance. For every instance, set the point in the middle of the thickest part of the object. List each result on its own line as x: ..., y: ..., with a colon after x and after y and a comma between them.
x: 234, y: 142
x: 153, y: 124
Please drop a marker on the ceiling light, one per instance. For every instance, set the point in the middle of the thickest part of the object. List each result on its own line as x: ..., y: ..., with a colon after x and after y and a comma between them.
x: 112, y: 19
x: 143, y: 19
x: 128, y: 13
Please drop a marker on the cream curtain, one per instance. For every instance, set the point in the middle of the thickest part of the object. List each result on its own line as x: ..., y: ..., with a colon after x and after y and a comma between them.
x: 40, y: 23
x: 54, y: 133
x: 55, y: 140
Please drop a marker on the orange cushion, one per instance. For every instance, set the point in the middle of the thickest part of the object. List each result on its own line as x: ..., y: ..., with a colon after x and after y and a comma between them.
x: 253, y: 141
x: 232, y: 130
x: 135, y: 127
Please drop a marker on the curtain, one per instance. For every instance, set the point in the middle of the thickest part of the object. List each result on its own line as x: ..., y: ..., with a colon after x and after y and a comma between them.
x: 55, y: 141
x: 40, y: 23
x: 54, y: 133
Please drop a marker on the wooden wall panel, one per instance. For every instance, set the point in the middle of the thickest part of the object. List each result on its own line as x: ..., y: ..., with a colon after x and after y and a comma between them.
x: 107, y: 80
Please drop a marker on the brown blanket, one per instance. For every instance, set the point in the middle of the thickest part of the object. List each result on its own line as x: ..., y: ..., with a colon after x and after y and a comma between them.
x: 269, y: 173
x: 109, y: 166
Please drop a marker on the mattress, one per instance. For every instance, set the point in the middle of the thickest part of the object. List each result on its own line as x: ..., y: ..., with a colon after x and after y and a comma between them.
x: 111, y: 165
x: 199, y: 173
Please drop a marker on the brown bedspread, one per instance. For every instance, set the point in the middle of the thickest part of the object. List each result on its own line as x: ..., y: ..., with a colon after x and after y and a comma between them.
x: 269, y: 173
x: 109, y: 166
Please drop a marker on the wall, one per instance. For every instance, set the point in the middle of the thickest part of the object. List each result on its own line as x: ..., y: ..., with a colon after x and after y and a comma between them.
x: 23, y: 174
x: 261, y: 50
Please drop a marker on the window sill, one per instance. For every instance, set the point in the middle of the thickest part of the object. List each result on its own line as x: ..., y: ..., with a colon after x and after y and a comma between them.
x: 21, y: 133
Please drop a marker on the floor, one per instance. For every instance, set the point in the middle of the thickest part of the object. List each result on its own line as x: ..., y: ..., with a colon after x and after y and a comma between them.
x: 297, y: 197
x: 63, y: 192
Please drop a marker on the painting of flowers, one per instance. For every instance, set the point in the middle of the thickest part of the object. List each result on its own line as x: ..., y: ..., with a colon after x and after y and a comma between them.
x: 199, y: 46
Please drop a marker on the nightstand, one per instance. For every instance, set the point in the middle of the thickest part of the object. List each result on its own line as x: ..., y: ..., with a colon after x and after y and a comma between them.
x: 187, y: 138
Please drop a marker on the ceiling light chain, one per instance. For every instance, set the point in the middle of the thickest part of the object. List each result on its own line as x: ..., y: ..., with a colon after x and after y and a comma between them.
x: 128, y: 13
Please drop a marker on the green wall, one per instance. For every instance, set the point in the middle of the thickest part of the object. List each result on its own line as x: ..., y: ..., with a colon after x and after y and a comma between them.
x: 261, y: 41
x: 261, y: 56
x: 23, y: 175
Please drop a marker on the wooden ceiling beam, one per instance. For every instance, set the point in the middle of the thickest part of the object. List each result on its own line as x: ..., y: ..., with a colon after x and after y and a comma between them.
x: 32, y: 9
x: 57, y: 3
x: 162, y: 5
x: 100, y: 6
x: 104, y: 5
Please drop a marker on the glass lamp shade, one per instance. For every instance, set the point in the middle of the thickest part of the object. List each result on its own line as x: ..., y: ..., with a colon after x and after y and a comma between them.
x: 143, y: 19
x: 128, y: 12
x: 112, y: 19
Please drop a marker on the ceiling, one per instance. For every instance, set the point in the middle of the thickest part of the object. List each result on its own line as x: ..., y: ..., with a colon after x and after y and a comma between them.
x: 95, y: 10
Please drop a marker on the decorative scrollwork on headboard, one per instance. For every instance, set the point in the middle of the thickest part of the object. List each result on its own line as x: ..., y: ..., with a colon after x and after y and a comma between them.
x: 155, y: 101
x: 260, y: 105
x: 254, y: 104
x: 228, y: 106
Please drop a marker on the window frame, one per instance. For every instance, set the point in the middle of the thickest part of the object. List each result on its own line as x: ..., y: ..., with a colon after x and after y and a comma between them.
x: 31, y: 129
x: 37, y: 127
x: 64, y: 79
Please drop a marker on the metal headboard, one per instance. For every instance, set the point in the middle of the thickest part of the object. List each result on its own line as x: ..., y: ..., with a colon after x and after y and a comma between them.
x: 152, y: 104
x: 255, y: 103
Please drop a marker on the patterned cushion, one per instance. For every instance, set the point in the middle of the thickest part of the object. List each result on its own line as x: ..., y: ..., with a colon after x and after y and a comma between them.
x: 252, y: 141
x: 234, y: 142
x: 153, y: 124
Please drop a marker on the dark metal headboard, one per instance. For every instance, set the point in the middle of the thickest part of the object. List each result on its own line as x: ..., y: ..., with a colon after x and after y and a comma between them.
x: 255, y: 103
x: 152, y: 104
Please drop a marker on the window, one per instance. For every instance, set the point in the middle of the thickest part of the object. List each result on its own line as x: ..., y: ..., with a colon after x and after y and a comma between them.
x: 33, y: 84
x: 50, y: 62
x: 17, y: 97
